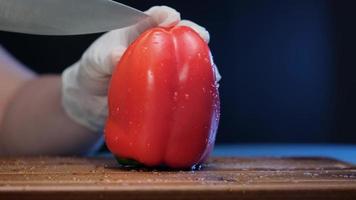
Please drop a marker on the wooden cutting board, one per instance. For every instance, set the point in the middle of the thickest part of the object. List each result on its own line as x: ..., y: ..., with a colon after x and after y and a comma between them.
x: 221, y: 178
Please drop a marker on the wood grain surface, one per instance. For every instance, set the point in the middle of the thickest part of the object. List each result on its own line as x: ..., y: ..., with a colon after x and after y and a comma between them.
x: 220, y: 178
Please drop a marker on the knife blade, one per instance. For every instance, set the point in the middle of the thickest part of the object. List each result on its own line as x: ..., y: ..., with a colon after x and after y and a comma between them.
x: 66, y: 17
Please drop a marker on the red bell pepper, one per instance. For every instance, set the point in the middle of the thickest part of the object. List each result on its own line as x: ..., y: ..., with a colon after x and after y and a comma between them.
x: 164, y: 105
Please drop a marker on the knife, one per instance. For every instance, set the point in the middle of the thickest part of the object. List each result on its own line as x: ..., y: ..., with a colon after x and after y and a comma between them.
x: 66, y: 17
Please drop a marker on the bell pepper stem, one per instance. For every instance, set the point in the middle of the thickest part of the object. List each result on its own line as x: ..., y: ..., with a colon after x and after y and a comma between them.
x: 128, y: 162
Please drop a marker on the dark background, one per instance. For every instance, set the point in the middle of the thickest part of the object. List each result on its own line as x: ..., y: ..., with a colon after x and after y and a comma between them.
x: 288, y: 67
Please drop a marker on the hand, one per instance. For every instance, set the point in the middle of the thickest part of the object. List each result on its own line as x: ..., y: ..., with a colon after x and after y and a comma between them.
x: 85, y: 83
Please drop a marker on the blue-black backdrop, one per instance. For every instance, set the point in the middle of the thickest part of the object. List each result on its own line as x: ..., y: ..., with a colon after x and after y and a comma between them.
x: 288, y: 67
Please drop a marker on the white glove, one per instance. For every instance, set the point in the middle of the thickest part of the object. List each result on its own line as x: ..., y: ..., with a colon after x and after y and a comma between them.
x: 85, y: 83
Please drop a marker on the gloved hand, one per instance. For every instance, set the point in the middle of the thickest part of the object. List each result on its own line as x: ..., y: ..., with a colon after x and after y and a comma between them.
x: 85, y: 83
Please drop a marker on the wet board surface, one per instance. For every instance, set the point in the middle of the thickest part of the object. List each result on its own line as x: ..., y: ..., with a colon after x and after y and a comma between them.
x: 220, y: 178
